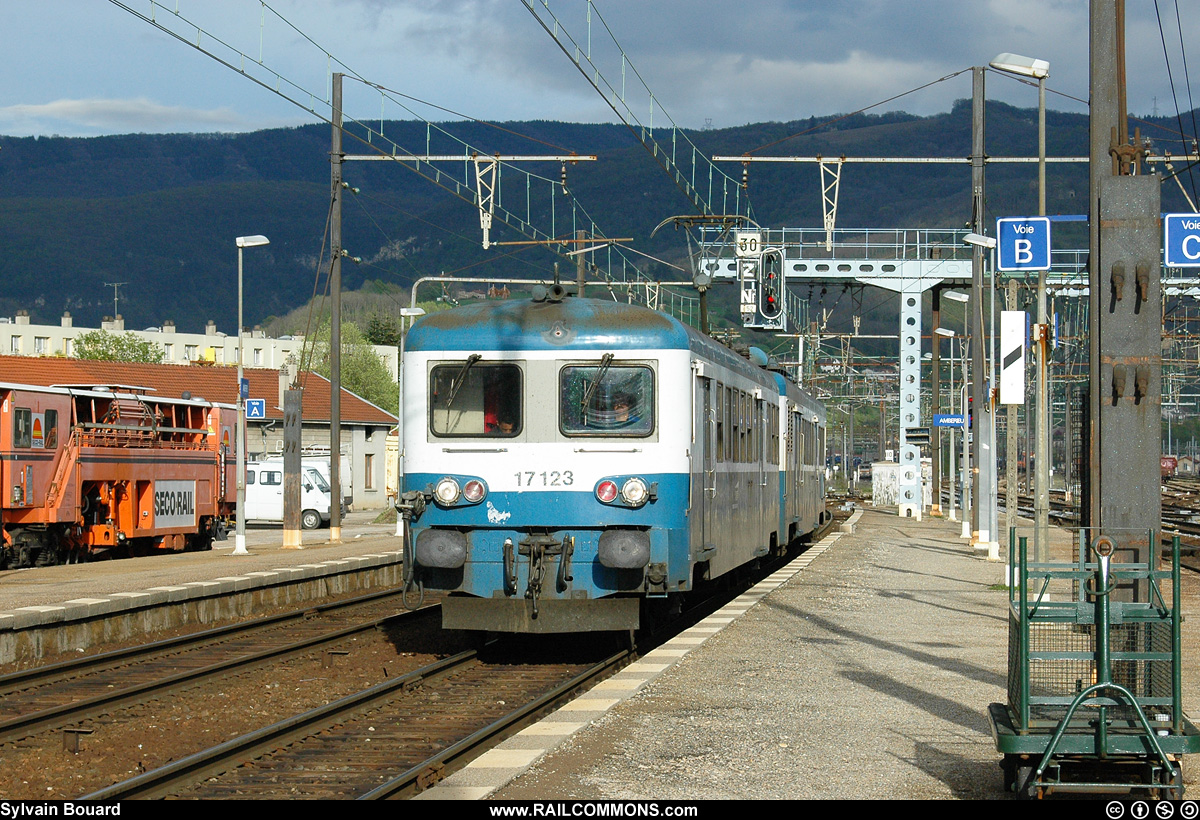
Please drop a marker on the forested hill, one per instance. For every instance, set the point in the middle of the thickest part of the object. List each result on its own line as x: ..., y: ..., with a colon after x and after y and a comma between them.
x: 160, y: 212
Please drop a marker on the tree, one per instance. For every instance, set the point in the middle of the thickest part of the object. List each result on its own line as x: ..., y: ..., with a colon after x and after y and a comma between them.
x: 106, y: 346
x: 383, y: 330
x: 363, y: 372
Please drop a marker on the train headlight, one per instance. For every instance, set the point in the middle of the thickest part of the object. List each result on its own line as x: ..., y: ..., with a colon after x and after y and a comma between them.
x: 473, y: 491
x: 634, y: 492
x: 606, y: 491
x: 447, y: 491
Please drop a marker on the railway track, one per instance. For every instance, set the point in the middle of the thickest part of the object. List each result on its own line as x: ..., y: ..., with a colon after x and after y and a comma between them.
x: 63, y: 694
x: 392, y: 740
x: 1180, y: 514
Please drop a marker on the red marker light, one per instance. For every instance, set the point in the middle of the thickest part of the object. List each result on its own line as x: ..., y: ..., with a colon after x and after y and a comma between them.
x: 473, y: 492
x: 606, y: 491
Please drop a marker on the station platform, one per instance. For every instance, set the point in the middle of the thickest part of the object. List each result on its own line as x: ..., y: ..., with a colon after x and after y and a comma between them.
x: 50, y: 610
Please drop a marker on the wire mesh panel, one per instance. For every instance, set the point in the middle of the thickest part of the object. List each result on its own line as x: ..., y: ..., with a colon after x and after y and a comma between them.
x: 1062, y: 663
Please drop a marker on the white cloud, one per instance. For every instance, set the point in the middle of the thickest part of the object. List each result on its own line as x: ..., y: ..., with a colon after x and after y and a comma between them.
x: 108, y: 116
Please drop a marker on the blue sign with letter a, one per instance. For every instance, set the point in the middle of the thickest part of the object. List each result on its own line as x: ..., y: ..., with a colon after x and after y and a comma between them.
x: 256, y: 408
x: 1181, y: 240
x: 1023, y: 243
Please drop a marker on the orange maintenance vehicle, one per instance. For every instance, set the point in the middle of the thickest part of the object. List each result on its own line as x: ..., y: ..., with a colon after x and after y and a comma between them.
x: 91, y: 472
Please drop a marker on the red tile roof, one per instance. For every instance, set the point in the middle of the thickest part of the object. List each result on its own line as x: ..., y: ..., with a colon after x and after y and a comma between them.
x: 210, y: 382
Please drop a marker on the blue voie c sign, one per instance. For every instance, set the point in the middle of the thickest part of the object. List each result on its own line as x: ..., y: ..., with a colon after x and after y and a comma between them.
x: 1023, y: 243
x: 1181, y: 240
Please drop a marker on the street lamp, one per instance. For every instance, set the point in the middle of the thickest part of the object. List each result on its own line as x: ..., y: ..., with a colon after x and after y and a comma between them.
x: 405, y: 313
x: 981, y: 241
x: 239, y: 541
x: 1038, y: 70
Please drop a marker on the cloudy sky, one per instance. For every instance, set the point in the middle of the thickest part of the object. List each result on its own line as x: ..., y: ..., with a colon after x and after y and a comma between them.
x: 89, y: 67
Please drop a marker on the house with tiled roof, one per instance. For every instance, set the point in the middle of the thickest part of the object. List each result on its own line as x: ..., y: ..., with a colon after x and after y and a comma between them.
x: 364, y: 426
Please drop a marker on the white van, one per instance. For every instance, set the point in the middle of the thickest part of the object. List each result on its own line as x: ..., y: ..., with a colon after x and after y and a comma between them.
x: 319, y: 457
x: 264, y: 492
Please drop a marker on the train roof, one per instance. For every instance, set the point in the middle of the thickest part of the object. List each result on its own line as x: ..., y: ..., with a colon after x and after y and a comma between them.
x: 108, y: 392
x: 523, y: 324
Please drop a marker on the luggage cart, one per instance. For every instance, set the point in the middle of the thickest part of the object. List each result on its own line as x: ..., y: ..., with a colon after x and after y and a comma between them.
x: 1094, y: 700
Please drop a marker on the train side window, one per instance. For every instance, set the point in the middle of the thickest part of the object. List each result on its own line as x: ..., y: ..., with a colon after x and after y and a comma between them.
x: 22, y: 427
x: 720, y: 419
x: 617, y: 400
x: 742, y: 423
x: 731, y: 417
x: 51, y: 432
x: 481, y: 400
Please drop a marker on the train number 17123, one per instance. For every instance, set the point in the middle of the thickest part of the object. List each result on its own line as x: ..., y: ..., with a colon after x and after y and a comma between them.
x: 552, y: 478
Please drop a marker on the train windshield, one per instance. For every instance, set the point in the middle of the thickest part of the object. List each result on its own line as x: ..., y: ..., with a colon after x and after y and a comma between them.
x: 607, y: 400
x: 477, y: 399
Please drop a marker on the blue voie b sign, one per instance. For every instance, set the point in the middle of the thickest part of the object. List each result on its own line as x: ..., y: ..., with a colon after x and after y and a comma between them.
x: 1023, y: 243
x: 1181, y: 240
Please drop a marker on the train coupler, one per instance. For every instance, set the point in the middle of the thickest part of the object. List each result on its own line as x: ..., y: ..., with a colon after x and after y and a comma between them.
x: 539, y: 548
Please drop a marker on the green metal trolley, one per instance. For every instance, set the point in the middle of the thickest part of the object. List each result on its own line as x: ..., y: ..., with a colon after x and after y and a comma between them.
x: 1094, y: 699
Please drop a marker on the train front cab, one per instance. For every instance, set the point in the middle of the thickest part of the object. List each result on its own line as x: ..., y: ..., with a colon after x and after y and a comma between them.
x: 548, y: 514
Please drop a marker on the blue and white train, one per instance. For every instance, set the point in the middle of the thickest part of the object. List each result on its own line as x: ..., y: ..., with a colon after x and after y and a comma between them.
x: 567, y: 460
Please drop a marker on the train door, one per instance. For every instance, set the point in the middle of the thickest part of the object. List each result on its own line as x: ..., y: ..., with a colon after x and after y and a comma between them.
x: 703, y: 503
x: 766, y: 504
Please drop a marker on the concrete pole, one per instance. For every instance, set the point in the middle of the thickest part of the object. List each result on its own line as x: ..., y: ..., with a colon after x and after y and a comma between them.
x: 1041, y: 499
x: 335, y: 320
x: 935, y: 405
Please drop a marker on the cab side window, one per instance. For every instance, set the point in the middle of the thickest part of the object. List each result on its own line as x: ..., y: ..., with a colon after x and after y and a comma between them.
x: 22, y: 427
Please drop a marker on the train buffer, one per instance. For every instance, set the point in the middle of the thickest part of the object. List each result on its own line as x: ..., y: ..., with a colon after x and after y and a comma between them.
x: 1094, y: 701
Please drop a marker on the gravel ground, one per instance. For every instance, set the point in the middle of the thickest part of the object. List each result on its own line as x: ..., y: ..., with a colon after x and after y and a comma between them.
x: 867, y: 676
x: 132, y: 741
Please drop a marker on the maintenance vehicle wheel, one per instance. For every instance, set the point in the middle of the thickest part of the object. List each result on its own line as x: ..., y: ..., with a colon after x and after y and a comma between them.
x: 310, y: 519
x: 1008, y: 765
x: 1025, y: 785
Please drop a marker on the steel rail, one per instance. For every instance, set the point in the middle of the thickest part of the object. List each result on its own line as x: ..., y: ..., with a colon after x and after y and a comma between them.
x: 164, y: 780
x: 26, y: 725
x: 435, y: 767
x: 43, y: 674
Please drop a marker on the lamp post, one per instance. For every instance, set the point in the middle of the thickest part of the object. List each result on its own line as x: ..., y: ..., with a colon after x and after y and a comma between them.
x: 239, y: 541
x: 1038, y: 70
x: 405, y: 313
x: 967, y: 506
